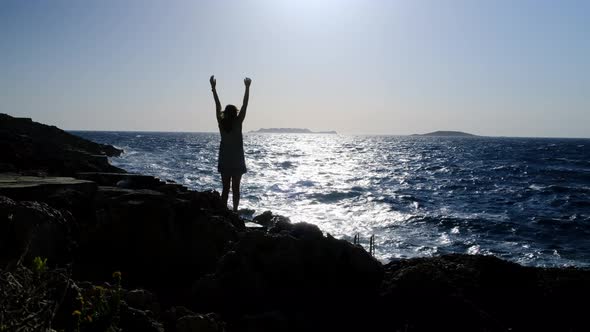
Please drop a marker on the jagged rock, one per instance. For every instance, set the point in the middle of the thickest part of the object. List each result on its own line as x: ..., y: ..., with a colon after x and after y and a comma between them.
x: 143, y: 300
x: 173, y: 314
x: 264, y: 218
x: 199, y: 323
x: 28, y: 145
x: 489, y: 293
x: 159, y: 241
x: 303, y: 230
x: 273, y: 223
x: 122, y: 180
x: 210, y: 200
x: 279, y: 272
x: 35, y: 229
x: 60, y: 192
x: 40, y: 188
x: 135, y: 320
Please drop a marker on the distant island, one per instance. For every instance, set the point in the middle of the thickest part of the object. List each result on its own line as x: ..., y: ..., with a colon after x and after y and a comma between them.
x: 290, y: 131
x: 447, y: 133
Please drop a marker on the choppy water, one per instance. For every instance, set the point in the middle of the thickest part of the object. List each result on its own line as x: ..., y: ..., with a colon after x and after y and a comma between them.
x: 523, y: 199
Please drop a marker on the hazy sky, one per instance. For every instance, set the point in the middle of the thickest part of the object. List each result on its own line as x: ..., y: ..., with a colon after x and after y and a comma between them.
x: 515, y: 68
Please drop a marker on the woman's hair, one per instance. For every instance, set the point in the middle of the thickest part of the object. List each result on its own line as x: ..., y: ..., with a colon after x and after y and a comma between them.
x: 229, y: 115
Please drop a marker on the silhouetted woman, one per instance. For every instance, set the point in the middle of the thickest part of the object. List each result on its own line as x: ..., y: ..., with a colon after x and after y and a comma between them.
x: 231, y: 163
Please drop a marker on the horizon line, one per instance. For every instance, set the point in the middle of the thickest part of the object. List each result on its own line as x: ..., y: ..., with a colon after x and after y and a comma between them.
x: 315, y: 133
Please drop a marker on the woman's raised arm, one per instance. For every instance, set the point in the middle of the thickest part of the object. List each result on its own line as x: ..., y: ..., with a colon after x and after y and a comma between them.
x: 213, y: 82
x: 242, y: 115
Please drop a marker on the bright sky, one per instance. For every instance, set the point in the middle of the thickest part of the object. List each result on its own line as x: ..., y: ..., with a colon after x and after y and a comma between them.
x: 495, y: 67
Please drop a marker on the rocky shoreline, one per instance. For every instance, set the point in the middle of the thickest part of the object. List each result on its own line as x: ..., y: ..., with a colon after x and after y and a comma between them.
x: 86, y: 246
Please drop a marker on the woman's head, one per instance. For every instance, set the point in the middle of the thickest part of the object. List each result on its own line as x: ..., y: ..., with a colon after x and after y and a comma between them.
x: 229, y: 115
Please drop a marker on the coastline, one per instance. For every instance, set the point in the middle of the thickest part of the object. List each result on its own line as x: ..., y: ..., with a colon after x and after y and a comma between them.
x: 185, y: 261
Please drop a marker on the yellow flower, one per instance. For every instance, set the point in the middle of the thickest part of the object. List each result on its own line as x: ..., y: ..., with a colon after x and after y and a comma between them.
x: 117, y: 274
x: 76, y: 313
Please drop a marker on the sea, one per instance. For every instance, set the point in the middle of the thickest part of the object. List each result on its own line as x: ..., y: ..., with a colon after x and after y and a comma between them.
x: 526, y: 200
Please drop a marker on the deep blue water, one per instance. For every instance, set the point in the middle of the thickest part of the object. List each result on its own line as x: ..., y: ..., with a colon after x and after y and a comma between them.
x: 522, y: 199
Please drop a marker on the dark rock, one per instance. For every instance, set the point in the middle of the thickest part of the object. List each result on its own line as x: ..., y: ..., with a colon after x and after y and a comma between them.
x: 158, y: 241
x: 60, y: 192
x: 199, y: 323
x: 279, y: 224
x: 34, y: 229
x: 264, y: 219
x: 172, y: 315
x: 274, y: 223
x: 306, y: 231
x: 265, y: 273
x: 273, y: 321
x: 39, y: 188
x: 209, y: 200
x: 135, y: 320
x: 122, y: 180
x: 28, y: 145
x: 143, y: 300
x: 489, y: 293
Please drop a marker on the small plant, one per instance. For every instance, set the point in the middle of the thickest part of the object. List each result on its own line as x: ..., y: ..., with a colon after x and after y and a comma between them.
x: 116, y: 298
x: 76, y: 315
x: 39, y: 265
x: 99, y: 307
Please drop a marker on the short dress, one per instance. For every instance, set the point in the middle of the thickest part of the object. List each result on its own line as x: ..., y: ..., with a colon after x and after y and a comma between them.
x: 231, y: 150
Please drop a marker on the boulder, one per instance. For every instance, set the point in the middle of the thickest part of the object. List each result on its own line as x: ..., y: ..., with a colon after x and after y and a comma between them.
x: 33, y: 229
x: 158, y: 241
x: 305, y: 231
x: 320, y: 276
x: 469, y: 293
x: 270, y: 220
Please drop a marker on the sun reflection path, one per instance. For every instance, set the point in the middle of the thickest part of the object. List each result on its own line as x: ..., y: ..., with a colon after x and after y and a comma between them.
x: 327, y: 180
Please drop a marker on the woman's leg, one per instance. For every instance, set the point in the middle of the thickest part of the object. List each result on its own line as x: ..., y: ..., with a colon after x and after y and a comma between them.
x: 225, y: 192
x: 235, y: 179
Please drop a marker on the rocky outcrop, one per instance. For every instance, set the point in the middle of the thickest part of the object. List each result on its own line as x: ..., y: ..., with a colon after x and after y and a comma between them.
x: 73, y: 195
x: 31, y: 229
x: 156, y: 240
x: 305, y: 278
x: 36, y: 148
x: 481, y: 293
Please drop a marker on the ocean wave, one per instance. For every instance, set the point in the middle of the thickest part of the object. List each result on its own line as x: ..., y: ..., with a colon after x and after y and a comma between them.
x: 334, y: 196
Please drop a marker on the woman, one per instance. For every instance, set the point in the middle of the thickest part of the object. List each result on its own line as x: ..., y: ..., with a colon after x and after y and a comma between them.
x: 231, y: 163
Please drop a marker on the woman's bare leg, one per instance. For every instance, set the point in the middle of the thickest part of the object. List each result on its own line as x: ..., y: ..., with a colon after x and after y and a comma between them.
x: 235, y: 179
x: 225, y: 179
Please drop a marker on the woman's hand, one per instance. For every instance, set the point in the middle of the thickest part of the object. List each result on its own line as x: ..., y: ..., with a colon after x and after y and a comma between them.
x: 247, y: 81
x: 212, y: 81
